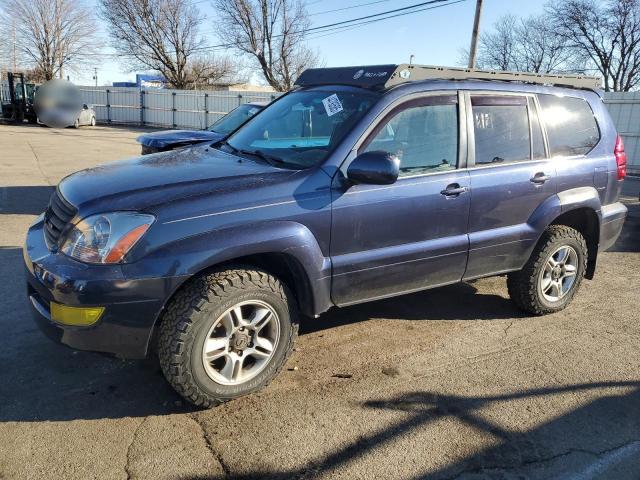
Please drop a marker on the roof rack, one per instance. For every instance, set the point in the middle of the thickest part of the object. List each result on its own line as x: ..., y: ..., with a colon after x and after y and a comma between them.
x: 386, y: 76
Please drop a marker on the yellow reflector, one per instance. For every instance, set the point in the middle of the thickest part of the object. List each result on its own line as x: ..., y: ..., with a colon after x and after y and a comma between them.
x: 75, y: 315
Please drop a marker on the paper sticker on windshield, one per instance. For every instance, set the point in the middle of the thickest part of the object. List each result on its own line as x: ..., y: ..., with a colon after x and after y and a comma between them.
x: 332, y: 105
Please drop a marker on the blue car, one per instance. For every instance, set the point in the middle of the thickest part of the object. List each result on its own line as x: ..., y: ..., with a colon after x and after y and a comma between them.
x: 171, y: 139
x: 361, y: 183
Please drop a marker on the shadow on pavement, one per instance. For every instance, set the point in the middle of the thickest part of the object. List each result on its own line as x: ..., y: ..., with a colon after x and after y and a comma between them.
x: 580, y: 441
x: 454, y: 302
x: 53, y: 382
x: 30, y: 200
x: 41, y: 380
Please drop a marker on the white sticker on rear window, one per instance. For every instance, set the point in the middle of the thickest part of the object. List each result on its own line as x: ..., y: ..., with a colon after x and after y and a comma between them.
x: 332, y: 105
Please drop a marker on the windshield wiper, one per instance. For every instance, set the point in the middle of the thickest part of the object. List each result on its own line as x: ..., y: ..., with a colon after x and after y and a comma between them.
x: 270, y: 159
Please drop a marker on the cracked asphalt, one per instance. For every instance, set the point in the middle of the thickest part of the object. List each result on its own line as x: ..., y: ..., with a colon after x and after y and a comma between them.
x: 451, y: 383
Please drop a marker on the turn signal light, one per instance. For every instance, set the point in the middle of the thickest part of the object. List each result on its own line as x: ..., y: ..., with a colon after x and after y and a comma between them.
x: 77, y: 316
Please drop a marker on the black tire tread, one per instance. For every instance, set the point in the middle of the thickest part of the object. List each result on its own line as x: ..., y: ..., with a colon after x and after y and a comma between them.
x: 522, y: 284
x: 175, y: 328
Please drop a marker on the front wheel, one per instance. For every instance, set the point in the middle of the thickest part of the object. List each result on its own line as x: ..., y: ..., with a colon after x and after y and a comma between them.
x: 553, y: 273
x: 226, y: 334
x: 93, y: 121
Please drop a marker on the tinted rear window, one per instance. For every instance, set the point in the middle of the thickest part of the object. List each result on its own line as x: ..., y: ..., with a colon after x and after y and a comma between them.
x: 571, y: 126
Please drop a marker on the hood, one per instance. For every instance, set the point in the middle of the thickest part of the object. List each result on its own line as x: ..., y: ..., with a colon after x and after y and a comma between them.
x: 159, y: 178
x: 166, y: 138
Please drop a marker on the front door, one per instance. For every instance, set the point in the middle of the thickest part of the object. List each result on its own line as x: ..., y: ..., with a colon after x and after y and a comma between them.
x: 399, y: 238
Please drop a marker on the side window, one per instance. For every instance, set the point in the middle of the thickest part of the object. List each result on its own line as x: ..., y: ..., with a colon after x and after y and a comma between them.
x: 423, y: 134
x: 571, y: 126
x: 501, y: 128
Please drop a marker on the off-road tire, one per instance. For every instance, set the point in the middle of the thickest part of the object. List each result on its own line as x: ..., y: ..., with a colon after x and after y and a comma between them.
x: 523, y: 285
x: 93, y: 121
x: 191, y: 313
x: 76, y: 124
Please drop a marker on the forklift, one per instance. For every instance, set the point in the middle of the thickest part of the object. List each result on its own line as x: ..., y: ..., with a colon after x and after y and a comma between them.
x: 17, y: 99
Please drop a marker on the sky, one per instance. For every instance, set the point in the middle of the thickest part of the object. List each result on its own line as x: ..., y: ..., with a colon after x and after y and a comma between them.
x: 434, y: 37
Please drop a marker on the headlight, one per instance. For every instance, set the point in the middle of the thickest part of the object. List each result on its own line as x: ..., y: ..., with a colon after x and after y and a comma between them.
x: 106, y: 237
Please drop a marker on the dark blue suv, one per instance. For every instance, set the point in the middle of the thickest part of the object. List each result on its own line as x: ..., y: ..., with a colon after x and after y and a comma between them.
x: 360, y: 184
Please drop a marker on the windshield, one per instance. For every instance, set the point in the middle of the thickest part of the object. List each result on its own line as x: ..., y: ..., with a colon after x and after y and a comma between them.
x: 302, y: 128
x: 234, y: 118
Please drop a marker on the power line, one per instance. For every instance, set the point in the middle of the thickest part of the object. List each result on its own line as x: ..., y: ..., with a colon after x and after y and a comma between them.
x: 345, y: 25
x: 351, y: 21
x: 416, y: 5
x: 348, y: 8
x: 362, y: 24
x: 408, y: 7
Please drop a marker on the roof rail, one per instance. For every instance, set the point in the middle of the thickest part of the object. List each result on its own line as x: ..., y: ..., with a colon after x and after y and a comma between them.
x: 406, y: 72
x: 386, y: 76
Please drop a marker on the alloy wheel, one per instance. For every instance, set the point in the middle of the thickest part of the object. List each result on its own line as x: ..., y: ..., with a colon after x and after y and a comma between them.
x: 559, y: 273
x: 241, y: 342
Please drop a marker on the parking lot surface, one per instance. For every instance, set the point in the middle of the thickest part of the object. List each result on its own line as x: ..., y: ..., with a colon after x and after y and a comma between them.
x: 451, y: 383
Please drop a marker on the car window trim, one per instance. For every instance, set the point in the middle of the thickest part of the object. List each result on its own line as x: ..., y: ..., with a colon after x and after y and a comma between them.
x: 545, y: 139
x: 544, y: 126
x: 471, y: 159
x: 382, y: 116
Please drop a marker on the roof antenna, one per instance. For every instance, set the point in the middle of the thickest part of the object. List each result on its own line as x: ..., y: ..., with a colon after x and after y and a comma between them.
x: 411, y: 58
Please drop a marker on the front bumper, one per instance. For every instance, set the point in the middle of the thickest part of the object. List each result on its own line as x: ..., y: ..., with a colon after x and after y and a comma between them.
x: 131, y: 305
x: 613, y: 217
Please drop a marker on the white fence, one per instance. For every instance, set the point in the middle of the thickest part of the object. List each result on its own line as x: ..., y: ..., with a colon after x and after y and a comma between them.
x: 624, y: 108
x: 199, y: 109
x: 191, y: 109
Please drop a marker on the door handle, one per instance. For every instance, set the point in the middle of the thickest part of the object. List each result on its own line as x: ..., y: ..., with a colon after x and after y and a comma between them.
x: 539, y: 178
x: 453, y: 190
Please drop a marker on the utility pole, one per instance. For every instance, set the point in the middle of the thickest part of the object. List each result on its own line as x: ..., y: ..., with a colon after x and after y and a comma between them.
x: 474, y: 36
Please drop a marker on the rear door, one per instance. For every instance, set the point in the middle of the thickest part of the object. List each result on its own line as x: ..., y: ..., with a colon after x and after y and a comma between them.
x: 398, y: 238
x: 511, y: 175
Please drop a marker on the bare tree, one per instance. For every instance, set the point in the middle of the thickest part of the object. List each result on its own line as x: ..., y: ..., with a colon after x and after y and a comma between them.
x: 497, y: 48
x: 539, y: 49
x: 272, y: 32
x: 524, y: 44
x: 605, y: 34
x: 50, y: 35
x: 162, y: 35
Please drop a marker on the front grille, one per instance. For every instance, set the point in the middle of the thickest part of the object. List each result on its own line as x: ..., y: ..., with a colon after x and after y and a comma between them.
x: 58, y: 214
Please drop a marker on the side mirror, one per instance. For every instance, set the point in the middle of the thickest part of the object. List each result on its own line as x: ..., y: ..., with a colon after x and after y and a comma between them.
x: 374, y: 168
x: 85, y: 107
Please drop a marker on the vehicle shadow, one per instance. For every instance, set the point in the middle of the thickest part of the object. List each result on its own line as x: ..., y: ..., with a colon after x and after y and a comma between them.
x: 601, y: 433
x: 24, y: 200
x: 57, y: 383
x: 460, y: 301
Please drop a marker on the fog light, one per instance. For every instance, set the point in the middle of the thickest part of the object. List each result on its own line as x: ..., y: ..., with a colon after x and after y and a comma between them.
x: 75, y: 315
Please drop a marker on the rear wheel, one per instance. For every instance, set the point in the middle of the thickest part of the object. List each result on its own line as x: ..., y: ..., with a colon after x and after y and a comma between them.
x: 552, y: 275
x: 226, y: 334
x: 76, y: 124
